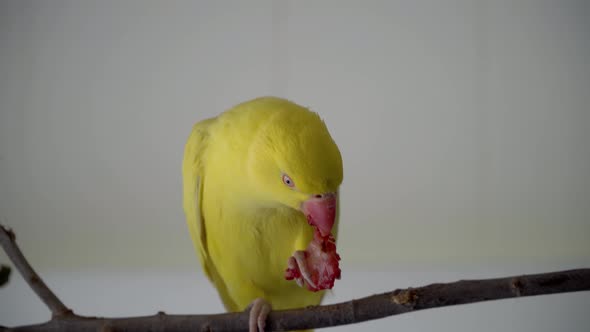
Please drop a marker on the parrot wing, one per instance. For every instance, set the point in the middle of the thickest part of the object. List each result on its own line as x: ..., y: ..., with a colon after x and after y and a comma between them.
x: 192, y: 172
x: 193, y: 175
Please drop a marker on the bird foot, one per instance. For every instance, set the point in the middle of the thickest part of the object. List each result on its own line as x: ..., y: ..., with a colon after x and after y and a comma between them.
x: 317, y: 266
x: 259, y: 310
x: 298, y: 262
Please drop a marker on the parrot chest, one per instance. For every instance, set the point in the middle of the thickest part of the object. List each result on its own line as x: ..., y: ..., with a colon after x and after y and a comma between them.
x: 252, y: 246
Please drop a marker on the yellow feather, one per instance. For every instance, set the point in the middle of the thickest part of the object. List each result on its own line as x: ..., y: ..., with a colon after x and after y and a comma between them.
x: 244, y: 221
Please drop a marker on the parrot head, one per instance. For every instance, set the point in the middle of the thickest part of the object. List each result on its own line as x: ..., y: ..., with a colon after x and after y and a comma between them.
x: 294, y: 162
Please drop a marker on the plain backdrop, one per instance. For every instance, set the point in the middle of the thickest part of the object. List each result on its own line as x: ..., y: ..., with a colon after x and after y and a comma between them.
x: 464, y: 128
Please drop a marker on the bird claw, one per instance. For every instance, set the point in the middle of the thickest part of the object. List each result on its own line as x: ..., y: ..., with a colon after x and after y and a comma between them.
x: 298, y: 262
x: 259, y: 310
x: 317, y: 266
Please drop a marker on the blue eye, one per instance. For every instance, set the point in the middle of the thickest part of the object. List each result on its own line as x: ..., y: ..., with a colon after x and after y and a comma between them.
x: 287, y: 180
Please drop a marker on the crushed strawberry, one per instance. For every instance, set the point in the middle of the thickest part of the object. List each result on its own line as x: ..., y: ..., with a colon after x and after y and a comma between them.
x: 322, y: 262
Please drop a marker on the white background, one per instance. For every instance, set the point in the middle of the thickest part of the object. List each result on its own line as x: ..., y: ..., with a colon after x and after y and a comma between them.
x: 464, y: 128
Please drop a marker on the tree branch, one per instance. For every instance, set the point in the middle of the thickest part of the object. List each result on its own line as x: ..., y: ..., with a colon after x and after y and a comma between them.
x: 4, y: 274
x: 8, y: 241
x: 397, y: 302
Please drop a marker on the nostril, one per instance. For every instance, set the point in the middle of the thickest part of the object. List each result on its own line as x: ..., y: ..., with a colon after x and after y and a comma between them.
x: 318, y: 196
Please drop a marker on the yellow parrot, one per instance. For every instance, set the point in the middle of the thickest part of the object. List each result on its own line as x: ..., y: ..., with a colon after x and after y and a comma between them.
x: 260, y: 195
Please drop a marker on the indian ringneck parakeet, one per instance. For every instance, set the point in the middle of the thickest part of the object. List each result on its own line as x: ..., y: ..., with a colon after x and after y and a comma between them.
x: 260, y: 186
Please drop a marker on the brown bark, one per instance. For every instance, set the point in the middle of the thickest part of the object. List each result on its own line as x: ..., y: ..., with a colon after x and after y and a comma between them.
x: 397, y: 302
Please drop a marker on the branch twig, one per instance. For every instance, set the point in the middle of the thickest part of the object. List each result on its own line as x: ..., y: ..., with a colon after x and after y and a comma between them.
x: 372, y: 307
x: 4, y: 274
x: 8, y: 241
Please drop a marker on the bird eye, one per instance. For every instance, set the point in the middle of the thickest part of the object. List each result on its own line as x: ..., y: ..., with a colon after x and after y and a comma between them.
x: 287, y: 180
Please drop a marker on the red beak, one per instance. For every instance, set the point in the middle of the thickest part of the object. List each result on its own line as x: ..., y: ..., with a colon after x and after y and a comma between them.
x: 320, y: 211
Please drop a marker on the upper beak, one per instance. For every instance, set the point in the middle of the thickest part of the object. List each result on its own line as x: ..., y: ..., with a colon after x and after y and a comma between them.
x: 320, y: 211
